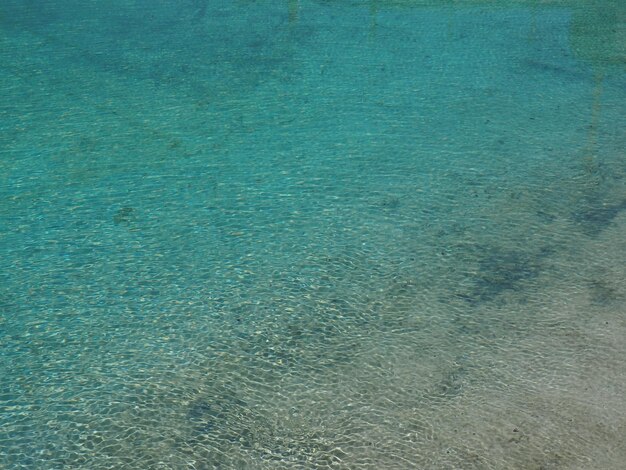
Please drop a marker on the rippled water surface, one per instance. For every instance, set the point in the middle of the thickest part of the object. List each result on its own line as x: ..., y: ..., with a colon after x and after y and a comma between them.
x: 312, y: 234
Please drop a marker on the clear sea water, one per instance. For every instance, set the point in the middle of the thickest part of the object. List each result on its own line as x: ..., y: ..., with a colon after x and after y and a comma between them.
x: 311, y: 234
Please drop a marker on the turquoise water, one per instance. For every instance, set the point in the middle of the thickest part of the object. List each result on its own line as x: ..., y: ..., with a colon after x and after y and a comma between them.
x: 312, y: 234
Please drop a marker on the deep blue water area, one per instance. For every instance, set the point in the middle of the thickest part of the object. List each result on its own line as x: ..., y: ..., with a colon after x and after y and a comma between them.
x: 312, y: 234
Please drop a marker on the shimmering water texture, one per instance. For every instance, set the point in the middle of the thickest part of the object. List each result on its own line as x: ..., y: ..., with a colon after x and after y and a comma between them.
x: 312, y: 234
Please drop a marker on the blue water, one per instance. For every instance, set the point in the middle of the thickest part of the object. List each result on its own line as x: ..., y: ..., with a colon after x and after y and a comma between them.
x: 312, y: 234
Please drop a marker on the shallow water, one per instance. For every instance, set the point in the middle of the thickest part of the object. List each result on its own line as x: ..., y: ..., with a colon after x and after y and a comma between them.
x: 312, y: 234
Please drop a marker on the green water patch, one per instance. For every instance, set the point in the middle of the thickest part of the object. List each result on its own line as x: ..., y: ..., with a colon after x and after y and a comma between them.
x: 307, y: 234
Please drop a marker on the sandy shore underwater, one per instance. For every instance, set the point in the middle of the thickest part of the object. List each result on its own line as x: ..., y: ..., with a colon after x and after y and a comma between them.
x: 310, y: 234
